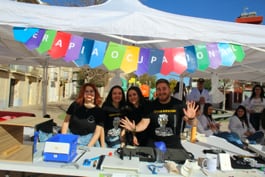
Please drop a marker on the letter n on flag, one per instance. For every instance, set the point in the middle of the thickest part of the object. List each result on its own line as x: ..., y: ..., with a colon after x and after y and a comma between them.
x: 60, y: 45
x: 167, y: 64
x: 113, y: 56
x: 155, y: 61
x: 130, y: 59
x: 214, y: 55
x: 180, y: 62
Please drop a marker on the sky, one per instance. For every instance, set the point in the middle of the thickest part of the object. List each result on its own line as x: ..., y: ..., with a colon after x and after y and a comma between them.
x: 226, y: 10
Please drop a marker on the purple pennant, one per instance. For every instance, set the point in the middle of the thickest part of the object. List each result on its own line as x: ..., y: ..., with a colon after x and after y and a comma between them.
x: 74, y: 48
x: 143, y: 61
x: 35, y: 40
x: 214, y: 55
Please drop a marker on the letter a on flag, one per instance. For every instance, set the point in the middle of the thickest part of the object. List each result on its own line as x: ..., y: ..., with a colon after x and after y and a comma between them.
x: 60, y: 45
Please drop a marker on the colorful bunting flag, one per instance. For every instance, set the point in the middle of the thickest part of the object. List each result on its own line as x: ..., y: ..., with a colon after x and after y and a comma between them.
x: 214, y: 55
x: 85, y: 53
x: 191, y: 59
x: 143, y: 61
x: 202, y: 57
x: 238, y: 52
x: 22, y: 34
x: 74, y: 48
x: 130, y: 59
x: 97, y: 54
x: 35, y: 40
x: 227, y: 54
x: 180, y: 62
x: 155, y: 61
x: 60, y: 45
x: 47, y: 41
x: 114, y: 56
x: 168, y: 62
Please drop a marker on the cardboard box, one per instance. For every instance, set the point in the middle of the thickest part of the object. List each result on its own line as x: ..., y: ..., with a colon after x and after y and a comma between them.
x: 12, y: 147
x: 60, y: 148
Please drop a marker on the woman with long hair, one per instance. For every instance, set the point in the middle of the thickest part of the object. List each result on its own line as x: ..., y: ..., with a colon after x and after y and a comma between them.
x: 207, y: 126
x: 84, y: 117
x: 240, y: 125
x: 113, y: 107
x: 254, y: 105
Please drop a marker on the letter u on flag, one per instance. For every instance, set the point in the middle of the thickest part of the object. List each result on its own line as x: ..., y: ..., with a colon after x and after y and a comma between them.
x: 130, y: 59
x: 113, y: 56
x: 143, y: 61
x: 60, y: 45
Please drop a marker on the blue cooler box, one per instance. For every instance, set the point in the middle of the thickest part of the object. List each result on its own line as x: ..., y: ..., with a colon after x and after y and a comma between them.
x: 60, y: 148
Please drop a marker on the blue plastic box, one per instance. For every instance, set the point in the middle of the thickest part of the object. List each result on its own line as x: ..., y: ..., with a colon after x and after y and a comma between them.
x: 60, y: 148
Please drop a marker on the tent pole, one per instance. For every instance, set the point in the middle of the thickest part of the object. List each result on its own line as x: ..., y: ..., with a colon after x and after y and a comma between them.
x: 44, y: 87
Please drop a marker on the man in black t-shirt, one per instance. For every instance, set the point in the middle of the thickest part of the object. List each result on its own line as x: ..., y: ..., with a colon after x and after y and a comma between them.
x: 166, y: 117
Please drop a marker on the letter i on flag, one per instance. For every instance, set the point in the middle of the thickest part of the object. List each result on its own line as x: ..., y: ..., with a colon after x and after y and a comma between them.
x: 191, y: 59
x: 130, y: 59
x: 35, y: 40
x: 114, y: 56
x: 60, y: 45
x: 85, y: 53
x: 47, y: 41
x: 74, y: 48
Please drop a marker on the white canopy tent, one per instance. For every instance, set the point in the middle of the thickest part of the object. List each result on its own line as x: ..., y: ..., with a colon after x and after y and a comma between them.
x: 130, y: 22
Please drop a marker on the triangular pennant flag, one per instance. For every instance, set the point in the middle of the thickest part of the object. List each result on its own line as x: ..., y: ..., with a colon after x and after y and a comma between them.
x: 47, y: 41
x: 202, y: 57
x: 238, y: 52
x: 214, y: 55
x: 85, y: 53
x: 60, y: 45
x: 167, y: 64
x: 74, y: 48
x: 143, y: 61
x: 227, y: 55
x: 130, y: 59
x: 180, y: 61
x: 113, y: 56
x: 22, y: 34
x: 155, y: 61
x: 35, y: 40
x: 97, y: 54
x: 191, y: 59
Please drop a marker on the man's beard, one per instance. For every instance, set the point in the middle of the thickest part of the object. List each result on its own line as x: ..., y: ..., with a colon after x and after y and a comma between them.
x: 164, y: 98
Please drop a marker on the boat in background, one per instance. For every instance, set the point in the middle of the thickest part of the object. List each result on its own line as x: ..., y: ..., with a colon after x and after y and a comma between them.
x: 249, y: 17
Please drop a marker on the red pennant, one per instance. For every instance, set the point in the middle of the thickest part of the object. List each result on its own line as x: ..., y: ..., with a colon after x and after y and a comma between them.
x: 180, y: 62
x: 60, y: 45
x: 167, y: 64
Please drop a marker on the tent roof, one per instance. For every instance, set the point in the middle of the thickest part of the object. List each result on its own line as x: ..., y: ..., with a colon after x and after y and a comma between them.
x: 130, y: 22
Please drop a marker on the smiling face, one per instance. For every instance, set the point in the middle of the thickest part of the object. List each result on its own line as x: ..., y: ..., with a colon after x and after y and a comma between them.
x: 89, y: 95
x: 116, y: 96
x: 133, y: 97
x: 163, y: 92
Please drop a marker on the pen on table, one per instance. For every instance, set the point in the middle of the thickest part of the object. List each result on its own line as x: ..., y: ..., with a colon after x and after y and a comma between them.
x: 204, y: 172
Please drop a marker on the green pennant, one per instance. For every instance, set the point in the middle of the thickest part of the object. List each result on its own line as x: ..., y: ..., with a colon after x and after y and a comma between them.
x: 47, y: 41
x: 238, y: 52
x: 114, y: 55
x: 202, y: 57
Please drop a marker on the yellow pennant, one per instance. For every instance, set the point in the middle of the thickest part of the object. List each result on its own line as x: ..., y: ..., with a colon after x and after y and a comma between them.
x: 130, y: 59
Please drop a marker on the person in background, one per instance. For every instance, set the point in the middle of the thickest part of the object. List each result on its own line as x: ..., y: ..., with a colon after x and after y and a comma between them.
x: 254, y: 105
x: 114, y: 107
x: 85, y: 118
x: 176, y: 92
x: 199, y: 94
x: 240, y: 125
x: 167, y: 114
x: 206, y: 125
x: 138, y: 110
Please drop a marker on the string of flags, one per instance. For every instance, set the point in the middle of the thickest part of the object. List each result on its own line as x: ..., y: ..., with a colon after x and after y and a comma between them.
x: 94, y: 53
